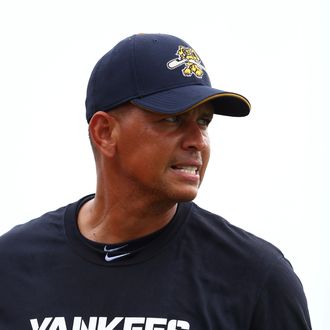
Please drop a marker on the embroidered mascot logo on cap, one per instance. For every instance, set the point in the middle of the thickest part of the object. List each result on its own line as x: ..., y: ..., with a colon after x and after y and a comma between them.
x: 191, y: 61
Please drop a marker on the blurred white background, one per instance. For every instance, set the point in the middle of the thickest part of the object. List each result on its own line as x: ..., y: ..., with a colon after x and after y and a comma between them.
x: 269, y: 171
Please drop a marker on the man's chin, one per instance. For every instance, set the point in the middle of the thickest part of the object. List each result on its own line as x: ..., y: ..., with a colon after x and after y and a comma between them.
x: 186, y: 196
x: 176, y: 194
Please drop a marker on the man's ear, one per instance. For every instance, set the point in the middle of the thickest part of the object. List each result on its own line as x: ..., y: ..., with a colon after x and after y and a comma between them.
x: 103, y: 133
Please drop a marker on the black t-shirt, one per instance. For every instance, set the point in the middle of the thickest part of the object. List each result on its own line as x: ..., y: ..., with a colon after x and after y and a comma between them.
x: 197, y: 273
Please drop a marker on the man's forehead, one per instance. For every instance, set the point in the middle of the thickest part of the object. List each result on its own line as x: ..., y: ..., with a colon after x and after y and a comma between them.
x: 204, y: 108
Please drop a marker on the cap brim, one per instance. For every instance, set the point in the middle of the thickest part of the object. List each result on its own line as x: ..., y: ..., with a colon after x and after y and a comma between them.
x: 181, y: 99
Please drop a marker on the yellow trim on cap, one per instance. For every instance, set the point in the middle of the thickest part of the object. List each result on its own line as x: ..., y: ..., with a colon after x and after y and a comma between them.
x: 220, y: 95
x: 212, y: 97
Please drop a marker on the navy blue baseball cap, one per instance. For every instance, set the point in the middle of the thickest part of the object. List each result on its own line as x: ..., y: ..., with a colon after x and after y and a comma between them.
x: 160, y: 73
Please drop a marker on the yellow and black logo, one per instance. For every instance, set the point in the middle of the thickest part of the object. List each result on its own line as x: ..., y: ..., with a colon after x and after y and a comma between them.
x: 191, y: 61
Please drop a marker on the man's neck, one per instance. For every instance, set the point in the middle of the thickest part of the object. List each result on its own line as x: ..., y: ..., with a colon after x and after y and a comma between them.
x: 110, y: 222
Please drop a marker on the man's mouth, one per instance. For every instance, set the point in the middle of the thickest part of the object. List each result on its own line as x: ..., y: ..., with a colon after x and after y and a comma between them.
x: 192, y: 170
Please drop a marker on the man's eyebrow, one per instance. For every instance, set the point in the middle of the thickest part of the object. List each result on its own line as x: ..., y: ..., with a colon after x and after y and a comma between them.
x: 208, y: 112
x: 208, y: 109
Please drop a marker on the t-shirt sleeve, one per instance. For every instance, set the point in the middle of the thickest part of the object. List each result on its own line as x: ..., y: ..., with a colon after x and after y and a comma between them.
x: 281, y: 303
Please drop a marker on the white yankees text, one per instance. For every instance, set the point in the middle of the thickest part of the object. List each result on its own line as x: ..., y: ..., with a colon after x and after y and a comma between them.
x: 117, y: 323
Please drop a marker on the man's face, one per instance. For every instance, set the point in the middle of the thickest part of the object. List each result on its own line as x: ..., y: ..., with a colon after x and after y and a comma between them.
x: 163, y: 157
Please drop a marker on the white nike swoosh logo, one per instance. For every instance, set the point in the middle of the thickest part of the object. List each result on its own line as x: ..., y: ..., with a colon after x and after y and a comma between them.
x: 111, y: 258
x: 114, y: 249
x: 107, y: 258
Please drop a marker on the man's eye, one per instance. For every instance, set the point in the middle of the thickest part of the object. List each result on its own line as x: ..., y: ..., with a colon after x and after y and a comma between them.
x: 204, y: 121
x: 171, y: 119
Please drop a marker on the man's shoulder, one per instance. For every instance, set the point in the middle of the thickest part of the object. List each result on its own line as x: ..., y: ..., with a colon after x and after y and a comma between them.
x: 237, y: 242
x: 32, y: 231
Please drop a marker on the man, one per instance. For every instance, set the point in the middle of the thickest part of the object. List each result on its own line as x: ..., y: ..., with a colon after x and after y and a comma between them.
x: 138, y: 254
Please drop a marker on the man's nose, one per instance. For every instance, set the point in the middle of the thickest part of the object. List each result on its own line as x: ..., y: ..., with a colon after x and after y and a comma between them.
x: 195, y: 137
